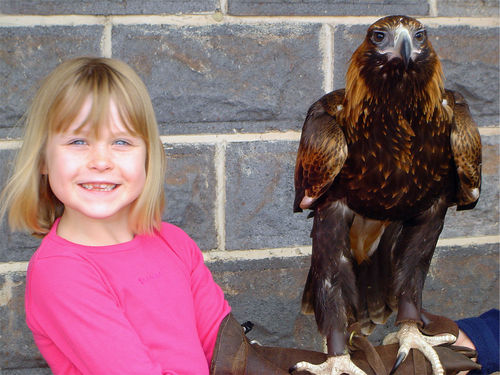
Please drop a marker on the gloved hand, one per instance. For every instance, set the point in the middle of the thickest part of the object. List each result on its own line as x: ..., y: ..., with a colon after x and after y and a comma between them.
x: 235, y: 355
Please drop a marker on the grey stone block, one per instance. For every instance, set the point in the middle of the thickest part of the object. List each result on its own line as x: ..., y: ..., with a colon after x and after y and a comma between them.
x: 13, y: 246
x: 218, y: 77
x: 259, y: 197
x: 190, y: 192
x: 469, y: 56
x: 327, y: 7
x: 17, y: 349
x: 16, y: 247
x: 462, y: 282
x: 345, y: 39
x: 470, y: 59
x: 268, y: 293
x: 106, y: 7
x: 467, y: 8
x: 28, y: 55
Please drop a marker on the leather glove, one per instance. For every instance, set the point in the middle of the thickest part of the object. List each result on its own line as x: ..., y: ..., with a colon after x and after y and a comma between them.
x: 235, y: 355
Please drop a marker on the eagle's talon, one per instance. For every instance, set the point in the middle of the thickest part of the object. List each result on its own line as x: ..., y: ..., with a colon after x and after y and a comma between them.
x: 401, y: 357
x: 336, y: 365
x: 410, y: 337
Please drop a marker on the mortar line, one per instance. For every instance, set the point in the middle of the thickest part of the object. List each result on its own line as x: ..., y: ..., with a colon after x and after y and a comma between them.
x: 326, y: 46
x: 220, y: 194
x: 10, y: 144
x: 290, y: 252
x: 433, y: 12
x: 106, y: 40
x: 291, y: 135
x: 224, y: 6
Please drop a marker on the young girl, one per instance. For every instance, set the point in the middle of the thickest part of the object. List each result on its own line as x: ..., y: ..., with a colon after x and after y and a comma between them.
x: 112, y: 289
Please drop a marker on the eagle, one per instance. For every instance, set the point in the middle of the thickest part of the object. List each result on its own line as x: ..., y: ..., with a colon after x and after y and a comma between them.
x: 379, y: 163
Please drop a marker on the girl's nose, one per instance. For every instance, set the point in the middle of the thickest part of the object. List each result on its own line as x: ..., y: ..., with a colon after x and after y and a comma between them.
x: 100, y: 158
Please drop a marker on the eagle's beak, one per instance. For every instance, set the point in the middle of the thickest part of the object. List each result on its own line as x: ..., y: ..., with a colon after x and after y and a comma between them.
x: 403, y: 45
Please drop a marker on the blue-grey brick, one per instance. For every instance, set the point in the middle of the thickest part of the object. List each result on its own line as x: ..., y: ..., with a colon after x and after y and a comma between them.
x: 106, y: 7
x: 345, y: 40
x: 260, y: 192
x: 225, y: 74
x: 190, y: 192
x: 327, y: 7
x: 467, y: 8
x: 17, y: 349
x: 16, y: 247
x: 462, y: 282
x: 259, y: 197
x: 268, y: 293
x: 470, y: 59
x: 27, y: 55
x: 13, y: 246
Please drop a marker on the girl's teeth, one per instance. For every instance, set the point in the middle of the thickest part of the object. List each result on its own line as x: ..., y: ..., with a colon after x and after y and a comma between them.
x: 99, y: 187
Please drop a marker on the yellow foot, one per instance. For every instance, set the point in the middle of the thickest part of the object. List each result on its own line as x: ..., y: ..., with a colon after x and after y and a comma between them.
x: 410, y: 337
x: 337, y: 365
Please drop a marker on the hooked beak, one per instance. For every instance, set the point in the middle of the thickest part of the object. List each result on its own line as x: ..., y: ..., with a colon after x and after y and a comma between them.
x: 403, y: 45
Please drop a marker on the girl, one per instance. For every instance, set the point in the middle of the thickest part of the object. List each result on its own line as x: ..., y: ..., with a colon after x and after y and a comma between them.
x: 112, y: 289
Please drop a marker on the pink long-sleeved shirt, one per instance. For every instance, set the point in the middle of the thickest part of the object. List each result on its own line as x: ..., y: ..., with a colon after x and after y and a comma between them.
x: 148, y: 306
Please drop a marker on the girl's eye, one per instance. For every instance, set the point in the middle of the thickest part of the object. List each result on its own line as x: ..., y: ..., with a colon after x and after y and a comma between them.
x: 122, y: 142
x: 78, y: 142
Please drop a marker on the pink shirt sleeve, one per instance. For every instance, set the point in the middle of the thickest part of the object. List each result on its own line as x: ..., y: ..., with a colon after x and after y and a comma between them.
x: 209, y: 302
x: 210, y: 305
x: 68, y: 302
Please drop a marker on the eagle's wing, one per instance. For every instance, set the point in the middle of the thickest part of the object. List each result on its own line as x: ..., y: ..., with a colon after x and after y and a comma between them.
x: 466, y: 149
x: 322, y: 151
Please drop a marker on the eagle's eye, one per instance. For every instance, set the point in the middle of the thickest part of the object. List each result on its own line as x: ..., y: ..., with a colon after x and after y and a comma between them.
x: 378, y: 36
x: 420, y: 35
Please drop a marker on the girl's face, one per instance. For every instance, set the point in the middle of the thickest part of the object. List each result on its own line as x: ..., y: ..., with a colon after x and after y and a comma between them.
x: 96, y: 178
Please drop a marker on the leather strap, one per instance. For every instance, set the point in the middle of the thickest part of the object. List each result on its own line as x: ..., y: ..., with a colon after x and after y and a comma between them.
x: 358, y: 341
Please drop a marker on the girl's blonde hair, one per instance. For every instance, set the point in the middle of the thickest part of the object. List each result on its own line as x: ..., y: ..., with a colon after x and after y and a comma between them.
x: 27, y: 196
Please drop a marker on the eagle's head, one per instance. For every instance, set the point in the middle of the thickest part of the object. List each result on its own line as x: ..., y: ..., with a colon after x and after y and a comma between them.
x: 395, y: 59
x: 398, y: 43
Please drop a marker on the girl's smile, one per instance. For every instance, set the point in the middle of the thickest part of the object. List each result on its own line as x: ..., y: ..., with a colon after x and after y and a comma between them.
x: 99, y: 187
x: 96, y: 177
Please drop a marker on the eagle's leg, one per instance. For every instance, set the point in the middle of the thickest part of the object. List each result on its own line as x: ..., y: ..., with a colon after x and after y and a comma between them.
x: 412, y: 256
x: 331, y: 287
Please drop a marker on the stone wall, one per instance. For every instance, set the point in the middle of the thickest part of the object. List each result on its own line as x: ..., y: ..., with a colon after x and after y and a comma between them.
x: 231, y: 81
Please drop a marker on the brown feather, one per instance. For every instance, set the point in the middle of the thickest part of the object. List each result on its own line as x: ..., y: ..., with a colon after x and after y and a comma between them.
x: 322, y: 152
x: 466, y: 148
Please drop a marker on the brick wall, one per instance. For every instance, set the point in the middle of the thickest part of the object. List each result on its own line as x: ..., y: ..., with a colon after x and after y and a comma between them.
x: 231, y: 81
